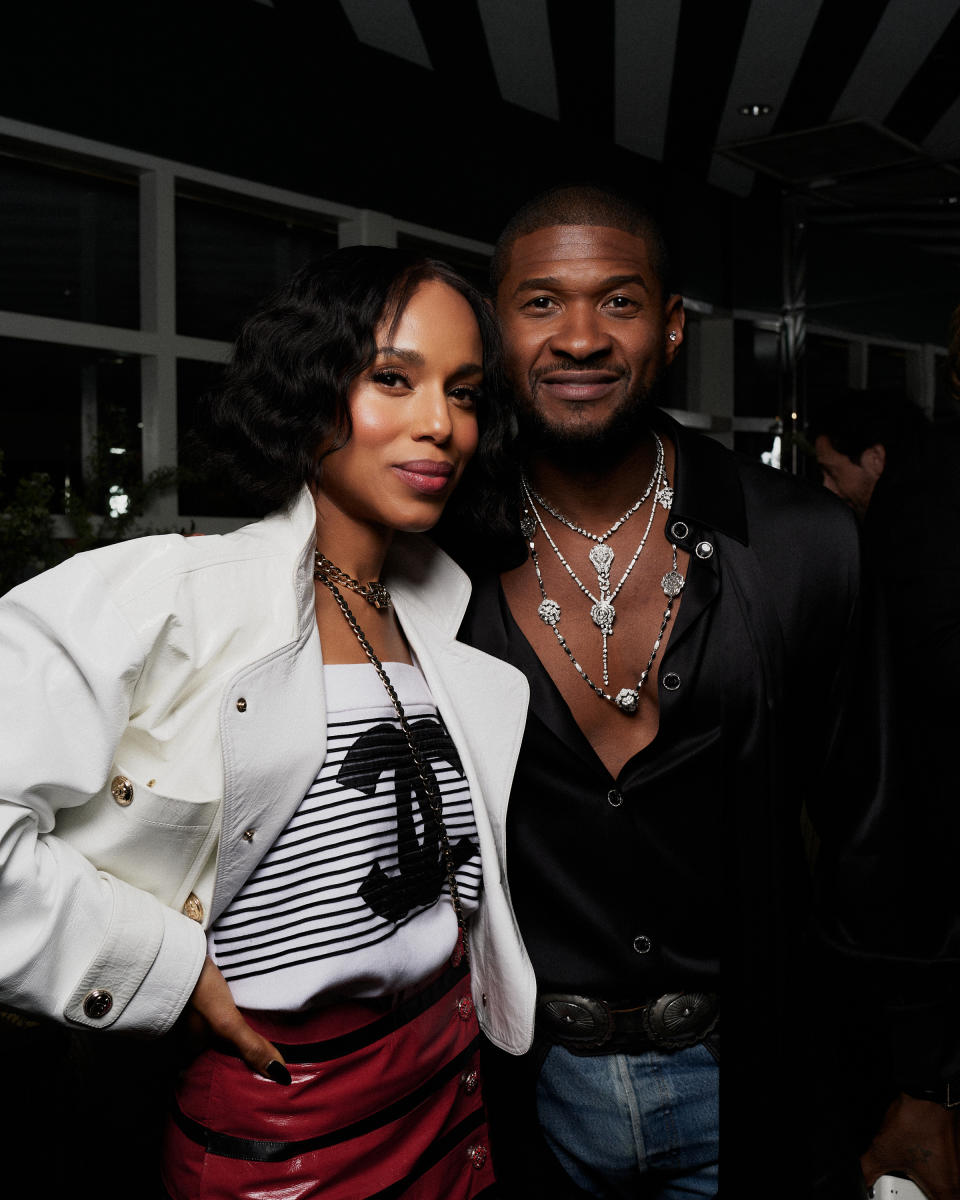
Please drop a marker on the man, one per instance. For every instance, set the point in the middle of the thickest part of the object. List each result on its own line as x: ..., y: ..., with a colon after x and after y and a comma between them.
x: 858, y: 435
x: 901, y: 477
x: 684, y: 696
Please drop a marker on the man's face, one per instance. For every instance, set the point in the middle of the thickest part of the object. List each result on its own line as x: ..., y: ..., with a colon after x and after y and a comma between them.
x: 586, y: 331
x: 852, y: 482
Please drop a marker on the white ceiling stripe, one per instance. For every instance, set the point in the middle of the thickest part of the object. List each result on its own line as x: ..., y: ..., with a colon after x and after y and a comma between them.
x: 774, y: 38
x: 731, y: 176
x: 943, y: 141
x: 905, y: 35
x: 646, y: 44
x: 518, y: 37
x: 388, y: 25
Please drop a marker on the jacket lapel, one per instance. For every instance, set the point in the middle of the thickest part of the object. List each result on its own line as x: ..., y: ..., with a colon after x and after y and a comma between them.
x: 483, y: 703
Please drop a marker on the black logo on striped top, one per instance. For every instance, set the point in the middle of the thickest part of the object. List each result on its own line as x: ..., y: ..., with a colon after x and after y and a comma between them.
x: 421, y: 873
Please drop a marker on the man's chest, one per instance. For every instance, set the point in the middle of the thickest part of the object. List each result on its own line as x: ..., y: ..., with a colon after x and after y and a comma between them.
x: 589, y: 669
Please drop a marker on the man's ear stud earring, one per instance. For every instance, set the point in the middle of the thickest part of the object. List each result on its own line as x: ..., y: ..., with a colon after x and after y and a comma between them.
x: 672, y: 335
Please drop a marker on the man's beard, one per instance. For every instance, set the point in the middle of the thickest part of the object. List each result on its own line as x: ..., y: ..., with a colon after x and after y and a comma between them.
x: 589, y: 447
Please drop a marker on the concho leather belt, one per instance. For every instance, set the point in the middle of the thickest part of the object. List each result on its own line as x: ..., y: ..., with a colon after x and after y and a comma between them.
x: 589, y: 1026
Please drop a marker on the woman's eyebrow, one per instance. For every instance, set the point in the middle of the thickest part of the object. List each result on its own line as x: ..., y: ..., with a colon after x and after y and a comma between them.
x: 414, y: 357
x: 465, y: 369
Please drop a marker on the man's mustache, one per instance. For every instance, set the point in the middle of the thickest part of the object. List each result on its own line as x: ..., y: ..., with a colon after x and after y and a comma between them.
x: 616, y: 369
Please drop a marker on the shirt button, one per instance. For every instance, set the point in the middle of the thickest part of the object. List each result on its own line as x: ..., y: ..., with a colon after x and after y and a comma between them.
x: 248, y: 835
x: 671, y: 681
x: 642, y: 944
x: 470, y: 1081
x: 704, y: 549
x: 193, y: 907
x: 241, y: 705
x: 122, y: 790
x: 97, y: 1004
x: 614, y: 798
x: 464, y: 1008
x: 477, y: 1155
x: 679, y: 530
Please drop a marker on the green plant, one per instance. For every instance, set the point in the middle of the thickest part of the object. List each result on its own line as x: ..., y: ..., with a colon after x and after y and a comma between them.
x: 28, y: 539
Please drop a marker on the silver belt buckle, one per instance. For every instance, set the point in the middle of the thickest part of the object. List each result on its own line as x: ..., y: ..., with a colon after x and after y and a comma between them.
x: 579, y: 1019
x: 679, y: 1019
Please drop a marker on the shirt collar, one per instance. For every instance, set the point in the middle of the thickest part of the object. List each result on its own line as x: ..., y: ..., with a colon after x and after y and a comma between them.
x: 707, y: 492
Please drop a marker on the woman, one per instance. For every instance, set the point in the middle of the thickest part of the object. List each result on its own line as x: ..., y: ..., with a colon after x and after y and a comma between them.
x: 241, y: 781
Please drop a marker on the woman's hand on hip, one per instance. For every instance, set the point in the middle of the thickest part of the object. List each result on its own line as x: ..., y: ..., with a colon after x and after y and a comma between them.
x: 211, y: 1007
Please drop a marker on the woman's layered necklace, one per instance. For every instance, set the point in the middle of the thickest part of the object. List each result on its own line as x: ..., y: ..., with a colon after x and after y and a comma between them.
x: 377, y: 595
x: 601, y: 556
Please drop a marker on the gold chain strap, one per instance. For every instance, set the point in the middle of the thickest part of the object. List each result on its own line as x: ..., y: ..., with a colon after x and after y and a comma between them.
x: 427, y: 779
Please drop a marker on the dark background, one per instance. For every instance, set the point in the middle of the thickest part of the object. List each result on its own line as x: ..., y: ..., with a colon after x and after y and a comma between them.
x: 287, y: 94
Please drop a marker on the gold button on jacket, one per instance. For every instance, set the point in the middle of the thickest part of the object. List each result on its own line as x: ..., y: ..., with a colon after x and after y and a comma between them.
x: 122, y: 790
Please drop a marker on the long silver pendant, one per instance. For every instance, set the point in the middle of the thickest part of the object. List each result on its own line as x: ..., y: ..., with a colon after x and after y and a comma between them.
x: 602, y: 558
x: 603, y: 614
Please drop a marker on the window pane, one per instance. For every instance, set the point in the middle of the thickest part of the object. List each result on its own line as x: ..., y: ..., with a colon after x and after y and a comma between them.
x: 73, y: 414
x: 756, y: 371
x: 68, y: 244
x: 468, y: 263
x: 946, y: 407
x: 757, y: 380
x: 200, y: 494
x: 887, y: 368
x: 825, y: 367
x: 229, y: 259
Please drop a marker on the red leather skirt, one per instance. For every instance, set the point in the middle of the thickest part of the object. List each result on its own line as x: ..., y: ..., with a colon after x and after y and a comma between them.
x: 385, y: 1102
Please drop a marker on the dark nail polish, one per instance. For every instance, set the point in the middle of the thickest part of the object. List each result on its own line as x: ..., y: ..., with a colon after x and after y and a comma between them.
x: 278, y: 1072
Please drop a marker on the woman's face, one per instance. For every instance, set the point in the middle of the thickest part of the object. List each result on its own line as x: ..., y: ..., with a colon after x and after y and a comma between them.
x: 413, y: 413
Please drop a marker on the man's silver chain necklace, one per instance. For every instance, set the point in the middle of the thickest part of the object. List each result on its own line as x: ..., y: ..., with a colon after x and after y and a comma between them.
x: 602, y: 612
x: 602, y: 537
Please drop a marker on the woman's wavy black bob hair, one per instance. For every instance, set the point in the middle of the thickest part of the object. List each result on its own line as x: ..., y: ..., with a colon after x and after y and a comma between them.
x: 284, y: 395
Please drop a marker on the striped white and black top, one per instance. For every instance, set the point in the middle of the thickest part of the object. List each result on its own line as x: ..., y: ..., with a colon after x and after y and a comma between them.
x: 352, y: 898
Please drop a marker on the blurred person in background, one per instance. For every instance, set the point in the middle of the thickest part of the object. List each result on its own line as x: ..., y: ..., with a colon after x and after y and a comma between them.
x: 900, y: 474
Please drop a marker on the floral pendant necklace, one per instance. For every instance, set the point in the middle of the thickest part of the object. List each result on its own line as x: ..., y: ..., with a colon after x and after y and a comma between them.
x: 602, y: 612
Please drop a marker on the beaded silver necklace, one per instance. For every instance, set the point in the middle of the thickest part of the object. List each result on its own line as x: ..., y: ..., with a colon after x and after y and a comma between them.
x: 603, y: 612
x: 600, y: 538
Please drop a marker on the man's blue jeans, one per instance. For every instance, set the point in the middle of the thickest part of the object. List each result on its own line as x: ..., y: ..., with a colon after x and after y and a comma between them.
x: 623, y: 1125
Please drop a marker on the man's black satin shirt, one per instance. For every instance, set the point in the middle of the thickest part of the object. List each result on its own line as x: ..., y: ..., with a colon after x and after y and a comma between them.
x: 615, y: 881
x: 618, y: 883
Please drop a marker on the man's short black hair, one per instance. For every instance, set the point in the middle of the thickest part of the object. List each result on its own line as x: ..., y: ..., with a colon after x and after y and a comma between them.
x: 583, y: 204
x: 855, y: 420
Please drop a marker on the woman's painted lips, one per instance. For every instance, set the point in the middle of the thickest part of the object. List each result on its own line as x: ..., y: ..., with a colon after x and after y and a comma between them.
x: 425, y: 475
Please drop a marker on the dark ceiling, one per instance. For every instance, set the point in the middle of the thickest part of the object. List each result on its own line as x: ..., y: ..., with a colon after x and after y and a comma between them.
x: 451, y: 112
